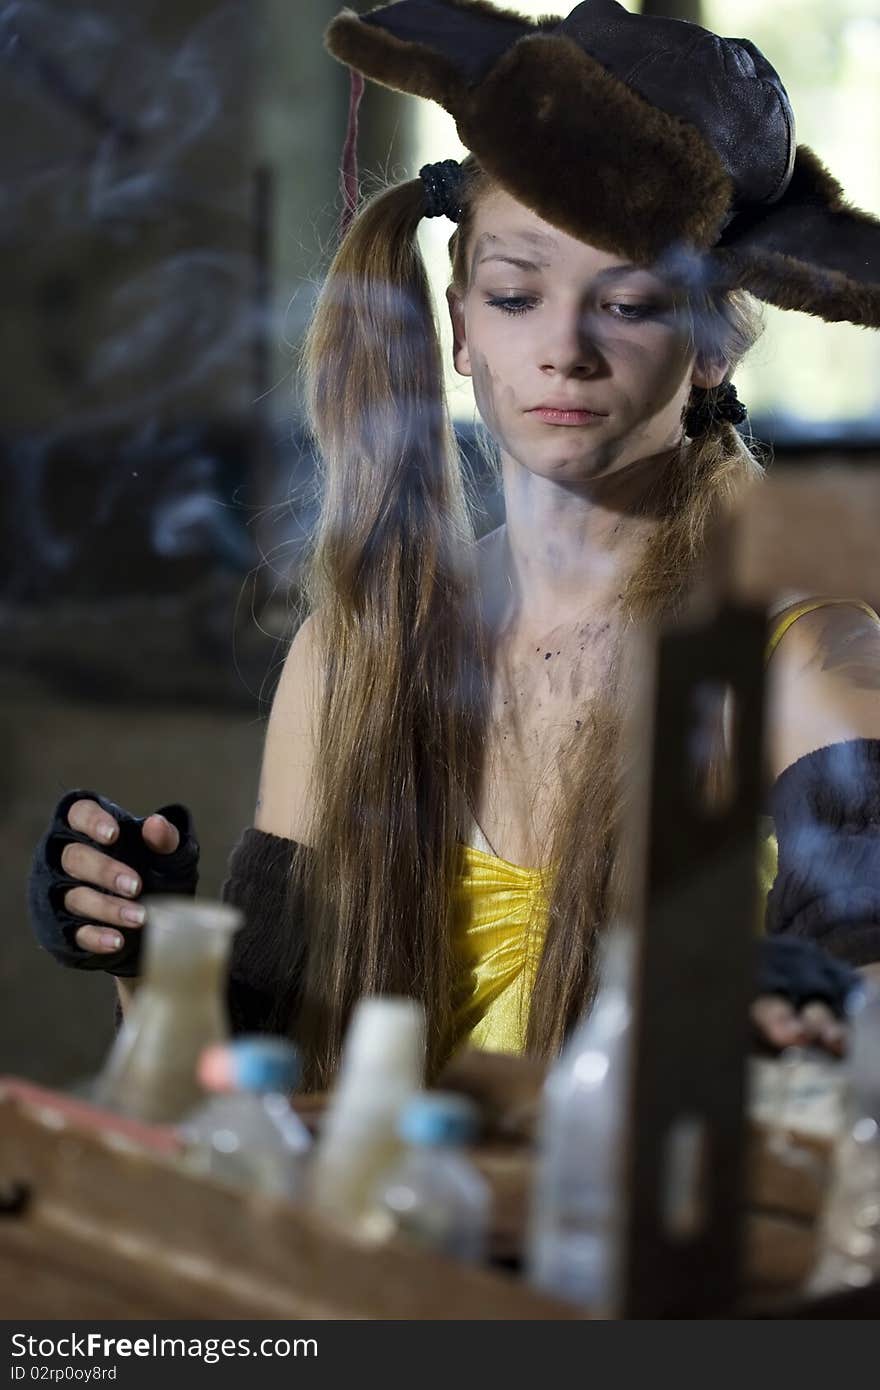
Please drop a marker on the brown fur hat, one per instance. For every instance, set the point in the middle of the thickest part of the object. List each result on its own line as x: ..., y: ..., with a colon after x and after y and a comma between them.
x: 645, y: 136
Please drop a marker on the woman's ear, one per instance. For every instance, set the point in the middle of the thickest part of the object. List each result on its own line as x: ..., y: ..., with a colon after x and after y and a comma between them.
x: 461, y: 359
x: 709, y: 373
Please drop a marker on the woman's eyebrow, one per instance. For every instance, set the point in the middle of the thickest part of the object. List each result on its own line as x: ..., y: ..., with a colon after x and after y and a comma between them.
x: 538, y: 239
x: 513, y: 260
x: 610, y: 272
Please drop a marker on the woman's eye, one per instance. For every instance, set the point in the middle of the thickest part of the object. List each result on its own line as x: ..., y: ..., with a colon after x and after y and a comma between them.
x: 634, y: 311
x: 511, y: 304
x: 521, y: 304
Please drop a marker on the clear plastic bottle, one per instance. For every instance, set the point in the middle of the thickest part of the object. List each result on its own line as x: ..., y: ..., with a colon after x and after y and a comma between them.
x: 382, y: 1067
x: 247, y: 1132
x: 576, y: 1212
x: 848, y: 1247
x: 434, y: 1196
x: 179, y: 1009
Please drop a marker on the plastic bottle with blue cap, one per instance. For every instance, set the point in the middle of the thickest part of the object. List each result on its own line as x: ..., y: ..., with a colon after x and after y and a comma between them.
x: 247, y: 1132
x: 435, y: 1197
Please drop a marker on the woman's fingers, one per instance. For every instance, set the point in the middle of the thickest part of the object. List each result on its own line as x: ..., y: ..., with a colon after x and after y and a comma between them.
x: 160, y: 835
x: 91, y: 819
x: 781, y: 1025
x: 94, y: 867
x: 98, y: 939
x: 821, y: 1026
x: 100, y: 907
x: 776, y: 1021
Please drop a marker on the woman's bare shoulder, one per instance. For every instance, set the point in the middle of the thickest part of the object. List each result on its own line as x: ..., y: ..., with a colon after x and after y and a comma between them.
x: 824, y: 681
x: 285, y: 801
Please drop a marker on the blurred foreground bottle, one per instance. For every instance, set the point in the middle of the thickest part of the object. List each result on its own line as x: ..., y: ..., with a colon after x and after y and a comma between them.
x: 434, y: 1196
x: 848, y: 1252
x: 246, y: 1132
x: 576, y: 1213
x: 178, y: 1009
x: 383, y: 1066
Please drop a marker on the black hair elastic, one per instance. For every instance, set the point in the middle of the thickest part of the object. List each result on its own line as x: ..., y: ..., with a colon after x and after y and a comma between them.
x: 443, y: 183
x: 711, y: 407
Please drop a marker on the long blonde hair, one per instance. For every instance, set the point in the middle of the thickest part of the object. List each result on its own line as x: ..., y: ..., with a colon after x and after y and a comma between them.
x: 392, y: 580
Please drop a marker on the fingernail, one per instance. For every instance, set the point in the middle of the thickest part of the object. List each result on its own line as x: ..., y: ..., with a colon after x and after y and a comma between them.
x: 126, y: 884
x: 107, y: 830
x: 134, y: 915
x: 111, y: 940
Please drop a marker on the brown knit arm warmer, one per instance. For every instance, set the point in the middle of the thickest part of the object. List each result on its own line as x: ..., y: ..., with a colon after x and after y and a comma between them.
x: 268, y: 953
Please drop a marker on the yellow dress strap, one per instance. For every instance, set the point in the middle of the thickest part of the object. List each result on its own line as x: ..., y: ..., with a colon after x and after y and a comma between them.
x: 779, y: 626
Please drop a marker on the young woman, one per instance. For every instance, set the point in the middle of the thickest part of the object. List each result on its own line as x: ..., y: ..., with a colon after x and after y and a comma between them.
x: 444, y: 780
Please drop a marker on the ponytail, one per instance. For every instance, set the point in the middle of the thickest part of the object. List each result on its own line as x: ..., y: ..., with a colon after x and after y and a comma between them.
x: 391, y: 580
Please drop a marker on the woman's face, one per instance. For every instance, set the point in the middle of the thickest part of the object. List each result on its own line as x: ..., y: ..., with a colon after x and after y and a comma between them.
x: 549, y: 321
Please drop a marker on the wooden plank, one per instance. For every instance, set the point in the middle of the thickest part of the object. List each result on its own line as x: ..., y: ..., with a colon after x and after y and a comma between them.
x: 695, y: 973
x: 123, y: 1232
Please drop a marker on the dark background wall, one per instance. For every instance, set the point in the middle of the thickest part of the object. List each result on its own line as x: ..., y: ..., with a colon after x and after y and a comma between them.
x: 169, y: 205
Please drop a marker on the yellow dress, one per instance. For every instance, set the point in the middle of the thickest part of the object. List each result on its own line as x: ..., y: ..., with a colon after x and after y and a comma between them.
x: 501, y: 914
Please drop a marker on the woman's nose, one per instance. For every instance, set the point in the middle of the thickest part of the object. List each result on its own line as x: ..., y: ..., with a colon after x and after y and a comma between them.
x: 571, y: 347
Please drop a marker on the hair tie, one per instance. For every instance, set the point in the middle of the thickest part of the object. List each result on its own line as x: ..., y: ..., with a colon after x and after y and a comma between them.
x: 717, y: 405
x: 443, y: 183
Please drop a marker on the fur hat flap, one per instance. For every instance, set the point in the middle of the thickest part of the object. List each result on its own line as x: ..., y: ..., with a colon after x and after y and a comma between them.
x: 811, y: 251
x: 426, y: 47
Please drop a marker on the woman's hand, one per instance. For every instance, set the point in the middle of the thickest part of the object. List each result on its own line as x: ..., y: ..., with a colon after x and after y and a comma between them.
x: 801, y: 995
x: 95, y: 868
x: 780, y: 1024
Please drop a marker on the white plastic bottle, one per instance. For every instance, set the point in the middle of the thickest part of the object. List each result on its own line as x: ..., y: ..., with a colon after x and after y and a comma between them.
x: 576, y: 1213
x: 383, y: 1066
x: 848, y: 1247
x: 247, y: 1132
x: 434, y: 1196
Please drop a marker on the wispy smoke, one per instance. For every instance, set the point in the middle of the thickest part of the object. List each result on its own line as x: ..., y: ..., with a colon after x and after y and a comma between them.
x: 126, y: 228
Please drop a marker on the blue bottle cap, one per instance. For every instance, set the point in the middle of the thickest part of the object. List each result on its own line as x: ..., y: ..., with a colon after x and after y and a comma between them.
x: 261, y: 1063
x: 439, y: 1117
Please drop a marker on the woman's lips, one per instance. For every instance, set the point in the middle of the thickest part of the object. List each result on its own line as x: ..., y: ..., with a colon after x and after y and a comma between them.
x: 553, y: 415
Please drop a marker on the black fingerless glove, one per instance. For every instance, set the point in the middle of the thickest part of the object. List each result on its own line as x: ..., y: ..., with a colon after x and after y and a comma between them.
x: 826, y: 810
x: 55, y: 927
x: 802, y: 972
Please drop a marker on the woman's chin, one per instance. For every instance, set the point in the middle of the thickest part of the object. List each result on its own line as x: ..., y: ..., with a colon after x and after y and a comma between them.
x: 569, y: 466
